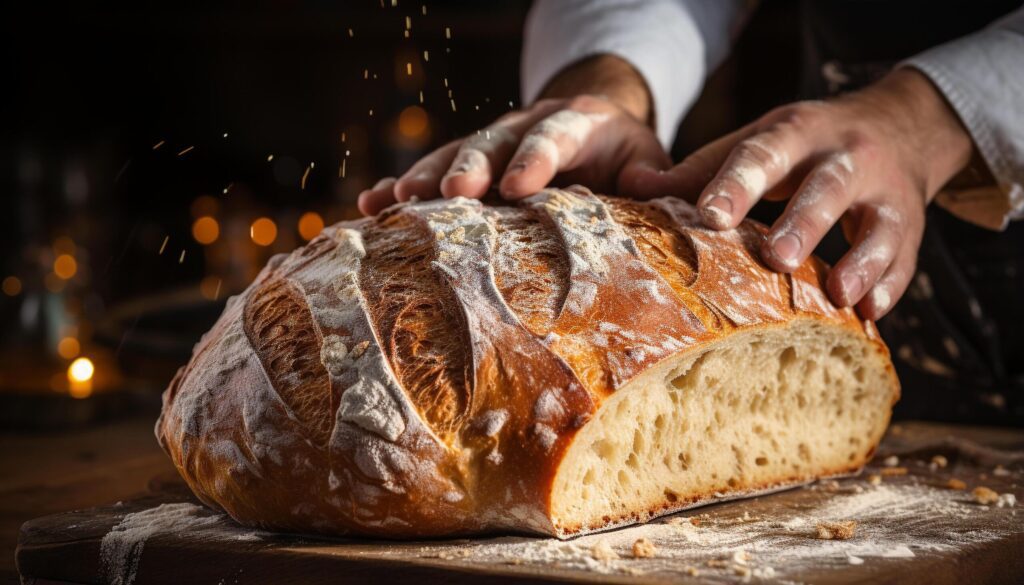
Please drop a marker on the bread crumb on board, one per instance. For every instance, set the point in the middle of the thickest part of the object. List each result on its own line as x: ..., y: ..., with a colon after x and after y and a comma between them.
x: 956, y: 484
x: 717, y: 563
x: 894, y: 471
x: 644, y: 549
x: 837, y: 530
x: 987, y: 497
x: 875, y: 479
x: 692, y: 520
x: 891, y: 461
x: 603, y: 551
x: 984, y: 495
x: 938, y: 462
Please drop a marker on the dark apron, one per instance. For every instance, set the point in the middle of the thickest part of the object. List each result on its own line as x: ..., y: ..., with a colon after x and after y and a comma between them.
x: 957, y: 336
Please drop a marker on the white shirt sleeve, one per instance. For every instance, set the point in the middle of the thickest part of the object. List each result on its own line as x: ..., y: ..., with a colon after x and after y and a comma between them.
x: 982, y: 78
x: 672, y: 43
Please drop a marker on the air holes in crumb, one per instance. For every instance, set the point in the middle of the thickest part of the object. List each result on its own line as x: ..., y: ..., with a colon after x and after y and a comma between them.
x: 604, y: 449
x: 805, y: 452
x: 632, y: 461
x: 787, y: 357
x: 761, y: 461
x: 733, y: 482
x: 841, y: 353
x: 638, y: 441
x: 671, y: 496
x: 589, y: 477
x: 684, y: 460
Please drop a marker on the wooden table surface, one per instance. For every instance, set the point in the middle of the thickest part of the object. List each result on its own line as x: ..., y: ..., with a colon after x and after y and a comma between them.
x: 47, y: 473
x: 911, y: 528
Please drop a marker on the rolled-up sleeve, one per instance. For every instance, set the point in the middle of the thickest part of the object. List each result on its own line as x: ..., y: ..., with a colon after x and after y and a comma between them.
x: 982, y: 78
x: 673, y: 44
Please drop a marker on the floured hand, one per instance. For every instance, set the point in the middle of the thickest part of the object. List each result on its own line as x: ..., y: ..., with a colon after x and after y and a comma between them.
x: 872, y: 160
x: 599, y: 137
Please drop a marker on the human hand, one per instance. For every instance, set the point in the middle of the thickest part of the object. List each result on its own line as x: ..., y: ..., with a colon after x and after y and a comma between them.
x: 872, y: 160
x: 602, y: 141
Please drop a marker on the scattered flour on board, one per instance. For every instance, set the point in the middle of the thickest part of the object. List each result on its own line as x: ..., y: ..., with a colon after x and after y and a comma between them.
x: 121, y: 548
x: 894, y: 521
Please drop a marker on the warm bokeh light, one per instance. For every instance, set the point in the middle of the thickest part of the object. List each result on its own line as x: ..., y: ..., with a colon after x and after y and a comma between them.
x: 204, y: 205
x: 263, y: 231
x: 310, y: 225
x: 205, y: 230
x: 81, y: 370
x: 80, y: 374
x: 80, y: 389
x: 68, y: 348
x: 413, y: 122
x: 64, y: 245
x: 209, y: 287
x: 12, y: 286
x: 65, y: 266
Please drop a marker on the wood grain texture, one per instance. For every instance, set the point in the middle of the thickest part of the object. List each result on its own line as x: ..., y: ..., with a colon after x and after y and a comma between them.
x: 66, y: 547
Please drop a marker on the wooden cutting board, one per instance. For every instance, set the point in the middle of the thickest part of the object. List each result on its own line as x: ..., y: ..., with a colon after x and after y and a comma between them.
x: 911, y: 528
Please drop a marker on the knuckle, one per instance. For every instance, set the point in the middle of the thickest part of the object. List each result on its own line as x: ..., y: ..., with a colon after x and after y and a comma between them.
x: 756, y: 151
x: 890, y: 218
x: 545, y: 103
x: 862, y: 144
x: 826, y: 183
x: 587, y: 103
x: 805, y: 225
x: 800, y: 116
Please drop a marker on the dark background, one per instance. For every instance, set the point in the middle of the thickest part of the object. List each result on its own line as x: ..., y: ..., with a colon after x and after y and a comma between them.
x: 92, y: 91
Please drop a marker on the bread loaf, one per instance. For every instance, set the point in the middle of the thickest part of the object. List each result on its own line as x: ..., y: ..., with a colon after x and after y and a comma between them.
x: 566, y: 365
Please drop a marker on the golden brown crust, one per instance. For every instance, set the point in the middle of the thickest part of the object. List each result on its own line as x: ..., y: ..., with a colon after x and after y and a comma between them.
x: 280, y: 329
x: 418, y: 320
x: 423, y: 372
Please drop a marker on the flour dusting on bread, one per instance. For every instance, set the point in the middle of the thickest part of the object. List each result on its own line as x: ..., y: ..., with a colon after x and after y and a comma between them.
x: 564, y: 365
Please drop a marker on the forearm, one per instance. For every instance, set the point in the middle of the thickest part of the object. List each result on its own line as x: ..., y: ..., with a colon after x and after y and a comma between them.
x: 669, y: 44
x: 608, y: 76
x: 980, y: 77
x: 929, y: 127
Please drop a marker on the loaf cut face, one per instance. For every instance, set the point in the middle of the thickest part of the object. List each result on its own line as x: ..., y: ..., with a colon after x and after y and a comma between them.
x: 565, y: 365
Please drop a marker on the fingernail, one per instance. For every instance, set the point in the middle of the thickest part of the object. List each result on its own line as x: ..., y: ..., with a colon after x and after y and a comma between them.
x: 787, y: 248
x: 516, y: 168
x: 852, y: 285
x: 717, y: 212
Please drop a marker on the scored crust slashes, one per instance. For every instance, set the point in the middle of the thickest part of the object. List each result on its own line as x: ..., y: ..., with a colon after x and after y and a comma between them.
x: 418, y: 320
x: 280, y: 328
x: 531, y: 268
